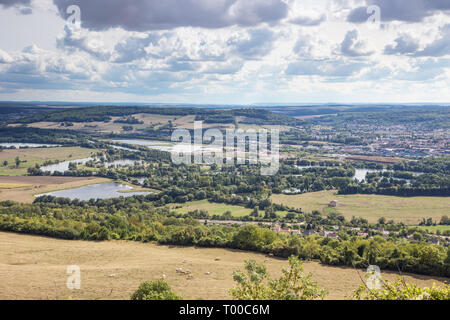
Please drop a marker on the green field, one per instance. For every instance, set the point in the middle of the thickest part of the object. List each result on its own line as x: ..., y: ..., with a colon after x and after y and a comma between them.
x: 216, y: 208
x: 32, y: 156
x: 433, y: 229
x: 371, y: 207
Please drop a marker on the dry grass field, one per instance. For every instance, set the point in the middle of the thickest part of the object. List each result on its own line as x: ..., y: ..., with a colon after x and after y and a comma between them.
x: 32, y: 156
x: 34, y: 267
x: 372, y: 207
x: 24, y: 189
x: 153, y: 120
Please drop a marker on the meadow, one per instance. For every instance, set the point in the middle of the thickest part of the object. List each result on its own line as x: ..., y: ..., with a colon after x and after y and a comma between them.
x: 31, y: 156
x: 34, y: 267
x: 371, y: 207
x: 433, y: 229
x: 216, y: 208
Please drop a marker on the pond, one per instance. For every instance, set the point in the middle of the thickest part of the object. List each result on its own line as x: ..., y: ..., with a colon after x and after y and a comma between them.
x: 63, y: 166
x: 19, y: 145
x: 123, y: 163
x: 360, y: 174
x: 96, y: 191
x: 122, y: 148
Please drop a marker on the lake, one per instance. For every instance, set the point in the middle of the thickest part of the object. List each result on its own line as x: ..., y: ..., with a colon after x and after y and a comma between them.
x: 157, y: 145
x: 96, y: 191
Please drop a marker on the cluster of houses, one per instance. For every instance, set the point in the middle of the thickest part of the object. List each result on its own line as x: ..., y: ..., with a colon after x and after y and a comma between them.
x: 320, y: 231
x: 395, y: 143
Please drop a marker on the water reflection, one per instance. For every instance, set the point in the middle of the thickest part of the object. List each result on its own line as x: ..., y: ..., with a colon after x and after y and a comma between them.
x: 97, y: 191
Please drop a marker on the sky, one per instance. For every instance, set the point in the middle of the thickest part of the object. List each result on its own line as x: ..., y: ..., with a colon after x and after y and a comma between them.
x: 225, y: 51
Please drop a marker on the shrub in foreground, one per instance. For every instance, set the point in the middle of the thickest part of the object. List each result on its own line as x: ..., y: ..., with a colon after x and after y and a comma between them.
x: 402, y: 290
x: 155, y: 290
x: 294, y: 284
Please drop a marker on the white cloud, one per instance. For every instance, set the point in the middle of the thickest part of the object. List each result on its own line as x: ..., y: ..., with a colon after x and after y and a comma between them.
x: 224, y: 51
x: 5, y: 57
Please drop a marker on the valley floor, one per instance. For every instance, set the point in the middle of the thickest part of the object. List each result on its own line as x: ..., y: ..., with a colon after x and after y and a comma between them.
x: 409, y: 210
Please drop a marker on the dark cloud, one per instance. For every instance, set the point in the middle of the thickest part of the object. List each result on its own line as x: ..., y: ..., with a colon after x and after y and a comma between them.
x: 229, y: 67
x: 257, y: 45
x: 308, y: 21
x: 134, y: 48
x: 425, y: 70
x: 183, y: 64
x: 400, y: 10
x: 145, y: 15
x: 11, y: 3
x: 26, y: 11
x: 438, y: 48
x: 23, y: 6
x: 403, y: 45
x: 74, y: 39
x: 303, y: 46
x: 352, y: 47
x: 325, y: 68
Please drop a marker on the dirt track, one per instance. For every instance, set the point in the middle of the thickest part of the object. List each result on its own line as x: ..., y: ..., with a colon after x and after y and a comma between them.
x: 40, y: 180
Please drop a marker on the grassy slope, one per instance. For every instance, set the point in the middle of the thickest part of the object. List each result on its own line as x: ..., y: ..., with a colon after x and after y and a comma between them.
x: 35, y: 268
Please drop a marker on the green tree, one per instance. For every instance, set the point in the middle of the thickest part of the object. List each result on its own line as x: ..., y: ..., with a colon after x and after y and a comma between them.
x: 255, y: 212
x: 294, y: 284
x: 227, y: 215
x: 270, y: 213
x: 417, y: 236
x: 155, y: 290
x: 17, y: 161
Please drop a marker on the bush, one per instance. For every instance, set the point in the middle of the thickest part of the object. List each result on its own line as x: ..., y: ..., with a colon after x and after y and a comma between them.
x: 155, y: 290
x: 294, y: 284
x: 401, y: 290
